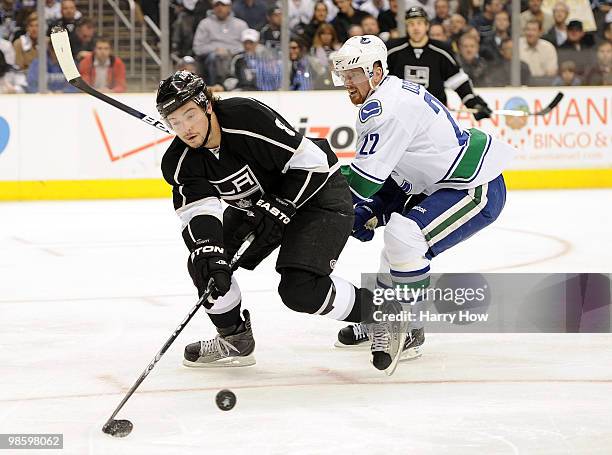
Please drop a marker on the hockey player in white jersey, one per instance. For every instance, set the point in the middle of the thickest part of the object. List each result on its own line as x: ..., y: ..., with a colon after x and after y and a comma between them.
x: 430, y: 183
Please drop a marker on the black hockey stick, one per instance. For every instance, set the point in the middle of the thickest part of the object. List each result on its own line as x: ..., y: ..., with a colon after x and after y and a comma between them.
x: 61, y: 46
x: 121, y: 428
x: 518, y: 112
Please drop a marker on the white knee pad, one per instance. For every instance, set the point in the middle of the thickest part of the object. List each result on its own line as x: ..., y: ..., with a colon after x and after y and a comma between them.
x: 405, y: 245
x: 228, y: 301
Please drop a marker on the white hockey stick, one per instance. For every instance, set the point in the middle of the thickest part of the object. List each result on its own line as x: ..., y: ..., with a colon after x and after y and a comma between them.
x: 61, y: 45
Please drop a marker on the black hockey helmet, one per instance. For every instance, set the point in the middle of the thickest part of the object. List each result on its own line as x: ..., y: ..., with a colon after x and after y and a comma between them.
x: 179, y: 89
x: 416, y: 12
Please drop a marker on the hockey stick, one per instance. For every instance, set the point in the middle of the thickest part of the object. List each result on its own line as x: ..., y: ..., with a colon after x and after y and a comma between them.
x: 122, y: 428
x: 61, y: 46
x: 517, y: 112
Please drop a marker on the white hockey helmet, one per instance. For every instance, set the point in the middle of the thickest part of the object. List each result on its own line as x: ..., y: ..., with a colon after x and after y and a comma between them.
x: 359, y: 52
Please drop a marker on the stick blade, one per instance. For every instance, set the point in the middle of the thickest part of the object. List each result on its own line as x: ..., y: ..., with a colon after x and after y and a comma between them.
x: 61, y: 46
x: 118, y: 428
x: 553, y: 104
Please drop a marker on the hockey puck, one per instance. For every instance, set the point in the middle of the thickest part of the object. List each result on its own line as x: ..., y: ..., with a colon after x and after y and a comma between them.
x: 226, y: 400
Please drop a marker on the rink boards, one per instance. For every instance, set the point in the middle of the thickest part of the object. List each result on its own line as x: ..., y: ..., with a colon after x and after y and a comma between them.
x: 74, y: 146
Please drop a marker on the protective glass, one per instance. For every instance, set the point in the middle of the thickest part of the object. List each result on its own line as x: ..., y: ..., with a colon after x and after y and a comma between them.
x: 353, y: 76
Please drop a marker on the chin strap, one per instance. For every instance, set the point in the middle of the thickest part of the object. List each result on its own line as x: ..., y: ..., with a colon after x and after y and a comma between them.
x: 207, y: 130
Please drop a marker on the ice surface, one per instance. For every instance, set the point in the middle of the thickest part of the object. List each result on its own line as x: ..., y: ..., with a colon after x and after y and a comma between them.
x: 89, y: 291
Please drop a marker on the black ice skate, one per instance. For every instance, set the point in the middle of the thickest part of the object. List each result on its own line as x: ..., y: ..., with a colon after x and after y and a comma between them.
x: 233, y: 349
x: 353, y: 336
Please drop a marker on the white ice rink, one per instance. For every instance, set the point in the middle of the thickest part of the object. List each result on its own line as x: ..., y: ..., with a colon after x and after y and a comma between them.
x: 89, y: 291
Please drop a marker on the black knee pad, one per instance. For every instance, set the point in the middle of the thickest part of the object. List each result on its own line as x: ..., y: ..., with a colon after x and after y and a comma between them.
x: 303, y: 291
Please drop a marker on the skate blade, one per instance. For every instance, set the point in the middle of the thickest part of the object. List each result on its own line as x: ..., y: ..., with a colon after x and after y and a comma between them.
x: 391, y: 368
x: 412, y: 353
x: 229, y: 362
x: 365, y: 345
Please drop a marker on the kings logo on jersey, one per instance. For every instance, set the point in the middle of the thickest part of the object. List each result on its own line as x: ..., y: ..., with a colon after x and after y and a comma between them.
x: 238, y: 185
x: 370, y: 109
x: 418, y: 74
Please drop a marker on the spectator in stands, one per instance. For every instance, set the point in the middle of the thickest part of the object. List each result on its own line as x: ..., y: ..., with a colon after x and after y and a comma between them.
x: 567, y: 75
x: 216, y: 40
x: 253, y: 12
x: 300, y: 12
x: 53, y: 11
x: 271, y: 32
x: 369, y: 24
x: 8, y: 51
x: 387, y: 21
x: 187, y: 63
x: 182, y: 29
x: 306, y: 31
x: 535, y: 12
x: 601, y: 72
x: 557, y: 34
x: 26, y: 45
x: 254, y: 68
x: 82, y: 40
x: 484, y: 21
x: 540, y: 55
x: 11, y: 80
x: 347, y: 16
x: 486, y: 50
x: 437, y: 32
x: 456, y: 25
x: 8, y: 24
x: 56, y: 81
x: 103, y: 70
x: 577, y: 39
x: 442, y: 12
x: 374, y: 7
x: 608, y: 32
x: 501, y: 27
x: 474, y: 66
x: 70, y: 15
x: 355, y: 30
x: 306, y: 73
x: 578, y: 47
x: 499, y: 74
x: 325, y: 42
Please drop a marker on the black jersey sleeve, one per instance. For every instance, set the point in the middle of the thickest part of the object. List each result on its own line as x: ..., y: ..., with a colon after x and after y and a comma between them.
x: 452, y: 73
x: 196, y: 201
x: 303, y: 166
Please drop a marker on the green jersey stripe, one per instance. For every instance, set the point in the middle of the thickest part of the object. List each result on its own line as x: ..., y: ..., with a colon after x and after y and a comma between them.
x: 457, y: 215
x: 361, y: 185
x: 469, y: 161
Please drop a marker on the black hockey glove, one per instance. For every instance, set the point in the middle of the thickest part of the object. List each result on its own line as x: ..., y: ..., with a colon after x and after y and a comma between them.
x: 270, y: 216
x: 479, y: 104
x: 208, y: 261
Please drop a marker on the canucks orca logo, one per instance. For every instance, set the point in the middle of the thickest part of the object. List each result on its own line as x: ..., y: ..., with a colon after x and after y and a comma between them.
x: 5, y: 132
x: 365, y: 40
x: 370, y: 109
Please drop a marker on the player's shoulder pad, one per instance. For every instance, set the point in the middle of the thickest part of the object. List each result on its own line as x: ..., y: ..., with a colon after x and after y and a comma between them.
x: 370, y: 109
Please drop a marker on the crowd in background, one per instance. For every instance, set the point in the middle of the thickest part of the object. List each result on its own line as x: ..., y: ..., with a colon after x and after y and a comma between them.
x: 19, y: 63
x: 236, y: 45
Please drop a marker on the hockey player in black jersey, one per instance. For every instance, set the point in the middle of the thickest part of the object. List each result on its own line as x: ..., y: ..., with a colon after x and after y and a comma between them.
x: 431, y: 63
x: 284, y: 187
